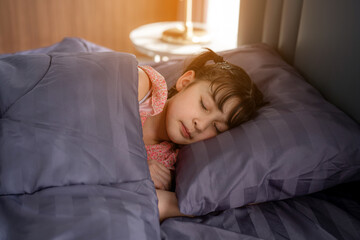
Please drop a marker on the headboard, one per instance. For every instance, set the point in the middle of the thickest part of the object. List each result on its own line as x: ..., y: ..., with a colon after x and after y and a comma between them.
x: 321, y: 38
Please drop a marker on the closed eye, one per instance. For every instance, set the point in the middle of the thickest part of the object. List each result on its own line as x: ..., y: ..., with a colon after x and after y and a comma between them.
x: 202, y: 104
x: 216, y: 128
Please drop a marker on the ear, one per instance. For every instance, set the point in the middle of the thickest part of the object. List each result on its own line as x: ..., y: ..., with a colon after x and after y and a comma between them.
x: 185, y: 79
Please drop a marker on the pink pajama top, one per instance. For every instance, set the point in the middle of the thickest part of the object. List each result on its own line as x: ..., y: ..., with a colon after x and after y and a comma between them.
x: 152, y: 104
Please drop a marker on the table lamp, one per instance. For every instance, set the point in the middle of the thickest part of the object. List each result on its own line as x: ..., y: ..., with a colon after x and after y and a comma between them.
x: 186, y: 34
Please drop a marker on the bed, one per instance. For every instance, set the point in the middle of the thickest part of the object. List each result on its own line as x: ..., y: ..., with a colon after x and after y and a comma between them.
x: 73, y: 164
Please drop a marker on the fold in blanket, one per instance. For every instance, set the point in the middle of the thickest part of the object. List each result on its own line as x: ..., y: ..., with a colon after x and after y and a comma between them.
x: 72, y: 159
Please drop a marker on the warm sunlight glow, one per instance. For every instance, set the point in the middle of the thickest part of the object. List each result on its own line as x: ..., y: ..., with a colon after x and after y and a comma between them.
x: 222, y: 20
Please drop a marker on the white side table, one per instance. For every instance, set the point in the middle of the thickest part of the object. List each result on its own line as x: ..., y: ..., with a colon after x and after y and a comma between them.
x: 147, y: 40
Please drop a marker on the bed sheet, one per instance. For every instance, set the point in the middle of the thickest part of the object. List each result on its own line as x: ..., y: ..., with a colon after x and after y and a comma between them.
x: 331, y: 214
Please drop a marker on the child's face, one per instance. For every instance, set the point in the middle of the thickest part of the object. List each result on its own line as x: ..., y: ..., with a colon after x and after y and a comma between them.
x: 193, y: 115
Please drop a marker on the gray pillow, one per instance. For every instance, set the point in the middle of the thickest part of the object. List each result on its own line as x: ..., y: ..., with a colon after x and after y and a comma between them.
x: 298, y: 144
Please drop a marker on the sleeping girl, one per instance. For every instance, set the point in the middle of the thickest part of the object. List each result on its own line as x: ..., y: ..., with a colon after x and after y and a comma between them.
x: 210, y: 97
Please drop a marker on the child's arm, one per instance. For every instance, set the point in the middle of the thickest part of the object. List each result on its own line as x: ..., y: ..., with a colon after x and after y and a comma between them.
x: 167, y: 204
x: 144, y: 84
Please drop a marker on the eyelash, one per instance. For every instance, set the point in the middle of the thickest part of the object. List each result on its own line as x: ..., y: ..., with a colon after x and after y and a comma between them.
x: 203, y: 106
x: 217, y: 130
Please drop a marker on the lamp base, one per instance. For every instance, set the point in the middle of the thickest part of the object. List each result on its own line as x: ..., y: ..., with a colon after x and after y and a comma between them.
x: 183, y: 37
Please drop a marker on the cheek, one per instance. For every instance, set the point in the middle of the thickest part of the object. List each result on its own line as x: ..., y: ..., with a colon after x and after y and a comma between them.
x: 207, y: 134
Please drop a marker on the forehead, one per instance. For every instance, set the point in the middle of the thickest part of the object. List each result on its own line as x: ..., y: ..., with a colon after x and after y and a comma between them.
x: 222, y: 97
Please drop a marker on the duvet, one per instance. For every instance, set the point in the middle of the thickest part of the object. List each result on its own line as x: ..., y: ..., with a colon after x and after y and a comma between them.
x: 73, y: 164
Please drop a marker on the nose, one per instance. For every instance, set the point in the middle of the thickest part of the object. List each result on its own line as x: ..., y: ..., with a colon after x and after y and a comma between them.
x: 201, y: 124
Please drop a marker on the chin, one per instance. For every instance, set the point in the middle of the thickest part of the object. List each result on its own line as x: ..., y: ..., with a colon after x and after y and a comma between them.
x: 174, y: 135
x: 178, y: 139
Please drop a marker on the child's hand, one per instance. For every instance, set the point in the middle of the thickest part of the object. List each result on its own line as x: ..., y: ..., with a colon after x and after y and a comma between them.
x: 160, y: 175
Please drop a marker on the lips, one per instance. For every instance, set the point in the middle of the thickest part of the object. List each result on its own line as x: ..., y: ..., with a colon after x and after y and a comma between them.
x: 185, y: 132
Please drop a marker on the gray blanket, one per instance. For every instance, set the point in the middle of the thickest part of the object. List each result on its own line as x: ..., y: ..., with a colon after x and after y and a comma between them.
x: 72, y: 160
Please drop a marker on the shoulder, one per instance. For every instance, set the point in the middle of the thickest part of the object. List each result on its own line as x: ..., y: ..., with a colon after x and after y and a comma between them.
x: 149, y: 78
x: 144, y: 84
x: 156, y: 82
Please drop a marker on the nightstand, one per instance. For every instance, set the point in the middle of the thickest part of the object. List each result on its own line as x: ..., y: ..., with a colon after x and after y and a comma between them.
x: 147, y: 40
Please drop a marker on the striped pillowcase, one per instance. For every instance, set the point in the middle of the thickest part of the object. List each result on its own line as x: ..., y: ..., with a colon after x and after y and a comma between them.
x: 299, y: 144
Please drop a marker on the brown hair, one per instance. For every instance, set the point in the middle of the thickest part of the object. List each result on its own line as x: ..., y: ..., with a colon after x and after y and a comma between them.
x: 227, y: 81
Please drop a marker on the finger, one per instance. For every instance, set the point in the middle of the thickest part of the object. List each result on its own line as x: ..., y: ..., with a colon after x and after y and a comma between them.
x: 160, y: 175
x: 164, y: 182
x: 161, y: 180
x: 158, y: 184
x: 164, y: 177
x: 163, y: 171
x: 167, y: 177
